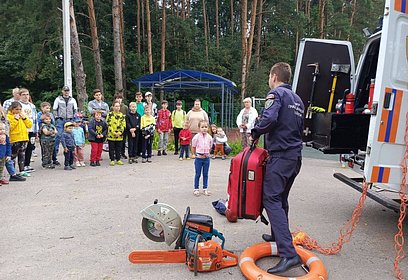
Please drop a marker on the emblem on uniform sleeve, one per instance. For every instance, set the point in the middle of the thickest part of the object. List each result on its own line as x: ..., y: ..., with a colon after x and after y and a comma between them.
x: 269, y: 101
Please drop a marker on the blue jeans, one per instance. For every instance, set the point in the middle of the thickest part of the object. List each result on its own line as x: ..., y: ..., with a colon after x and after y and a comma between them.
x: 10, y: 167
x: 201, y: 164
x: 59, y: 125
x: 186, y: 149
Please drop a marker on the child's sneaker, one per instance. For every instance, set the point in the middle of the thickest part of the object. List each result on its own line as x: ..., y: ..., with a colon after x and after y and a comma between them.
x: 68, y: 168
x: 130, y: 160
x: 188, y: 158
x: 25, y: 174
x: 72, y: 166
x: 112, y: 163
x: 224, y: 157
x: 134, y: 160
x: 92, y: 163
x: 149, y: 160
x: 119, y: 162
x: 98, y: 163
x: 213, y: 157
x: 164, y: 153
x: 144, y: 160
x: 206, y: 192
x: 28, y: 169
x: 78, y: 164
x: 4, y: 181
x: 82, y: 163
x: 159, y: 153
x: 196, y: 192
x: 181, y: 158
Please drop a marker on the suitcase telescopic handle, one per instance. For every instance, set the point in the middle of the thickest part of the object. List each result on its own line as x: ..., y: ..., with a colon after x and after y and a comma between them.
x: 253, y: 144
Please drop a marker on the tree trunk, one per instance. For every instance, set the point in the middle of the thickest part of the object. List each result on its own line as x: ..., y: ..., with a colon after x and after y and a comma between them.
x: 163, y: 38
x: 251, y: 36
x: 122, y: 47
x: 343, y: 7
x: 217, y: 32
x: 139, y: 50
x: 149, y: 38
x: 244, y: 46
x: 188, y: 8
x: 76, y: 54
x: 117, y: 52
x: 95, y: 45
x: 183, y: 9
x: 353, y: 13
x: 205, y: 30
x: 297, y: 27
x: 258, y: 38
x: 143, y: 25
x: 322, y: 8
x: 172, y: 7
x: 232, y: 16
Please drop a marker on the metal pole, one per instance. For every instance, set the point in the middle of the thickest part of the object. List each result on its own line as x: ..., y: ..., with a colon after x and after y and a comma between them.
x: 232, y: 109
x: 222, y: 105
x: 66, y: 35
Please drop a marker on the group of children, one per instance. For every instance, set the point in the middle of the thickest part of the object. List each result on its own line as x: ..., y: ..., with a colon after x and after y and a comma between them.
x: 138, y: 129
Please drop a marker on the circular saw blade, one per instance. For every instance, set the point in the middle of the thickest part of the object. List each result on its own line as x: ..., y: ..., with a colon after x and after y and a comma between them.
x: 153, y: 230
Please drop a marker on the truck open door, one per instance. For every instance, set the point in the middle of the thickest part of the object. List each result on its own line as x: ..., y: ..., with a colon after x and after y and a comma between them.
x: 313, y: 76
x: 386, y: 144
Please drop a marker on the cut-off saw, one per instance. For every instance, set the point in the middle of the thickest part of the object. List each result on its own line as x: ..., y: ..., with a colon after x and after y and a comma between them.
x: 193, y: 237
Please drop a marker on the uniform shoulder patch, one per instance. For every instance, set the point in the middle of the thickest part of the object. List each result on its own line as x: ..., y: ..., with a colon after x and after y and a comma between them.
x: 269, y: 102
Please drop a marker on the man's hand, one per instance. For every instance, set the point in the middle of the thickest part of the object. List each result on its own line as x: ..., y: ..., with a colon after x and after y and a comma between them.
x: 17, y: 116
x: 8, y: 158
x: 193, y: 156
x: 66, y: 150
x: 253, y: 141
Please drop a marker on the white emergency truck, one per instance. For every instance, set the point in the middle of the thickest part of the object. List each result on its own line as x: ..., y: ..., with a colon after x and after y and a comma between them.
x: 368, y: 131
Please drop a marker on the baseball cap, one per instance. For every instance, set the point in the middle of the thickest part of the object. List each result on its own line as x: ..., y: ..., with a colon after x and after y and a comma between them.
x: 68, y: 124
x: 148, y: 93
x: 65, y: 88
x: 77, y: 119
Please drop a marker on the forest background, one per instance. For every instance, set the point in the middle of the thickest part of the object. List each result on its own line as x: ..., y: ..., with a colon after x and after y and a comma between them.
x: 116, y: 41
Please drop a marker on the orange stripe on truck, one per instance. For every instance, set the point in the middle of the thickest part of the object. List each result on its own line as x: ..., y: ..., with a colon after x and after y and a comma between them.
x: 398, y: 5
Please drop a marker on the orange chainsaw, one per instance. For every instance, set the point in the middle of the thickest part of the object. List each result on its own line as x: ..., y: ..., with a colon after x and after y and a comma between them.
x: 194, y: 247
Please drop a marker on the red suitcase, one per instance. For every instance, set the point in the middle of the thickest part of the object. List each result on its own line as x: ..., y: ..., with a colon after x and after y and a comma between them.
x: 245, y: 184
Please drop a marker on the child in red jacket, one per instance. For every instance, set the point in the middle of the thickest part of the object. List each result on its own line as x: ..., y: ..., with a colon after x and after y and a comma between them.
x: 185, y: 138
x: 163, y: 126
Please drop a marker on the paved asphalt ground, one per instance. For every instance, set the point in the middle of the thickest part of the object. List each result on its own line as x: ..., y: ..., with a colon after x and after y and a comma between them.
x: 83, y: 224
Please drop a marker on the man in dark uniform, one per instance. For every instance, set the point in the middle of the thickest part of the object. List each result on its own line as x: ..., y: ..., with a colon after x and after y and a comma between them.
x: 282, y: 124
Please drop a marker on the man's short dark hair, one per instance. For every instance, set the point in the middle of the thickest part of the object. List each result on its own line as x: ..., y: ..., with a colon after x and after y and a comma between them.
x: 96, y: 90
x: 282, y: 71
x: 164, y: 102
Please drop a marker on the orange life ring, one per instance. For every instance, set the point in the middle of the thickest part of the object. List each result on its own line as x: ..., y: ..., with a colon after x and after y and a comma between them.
x: 247, y: 260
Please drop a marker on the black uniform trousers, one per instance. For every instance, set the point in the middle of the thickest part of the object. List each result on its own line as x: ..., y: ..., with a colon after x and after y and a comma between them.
x: 280, y: 174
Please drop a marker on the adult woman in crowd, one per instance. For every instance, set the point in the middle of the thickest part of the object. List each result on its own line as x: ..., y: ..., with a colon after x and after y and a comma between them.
x: 195, y: 115
x: 246, y: 121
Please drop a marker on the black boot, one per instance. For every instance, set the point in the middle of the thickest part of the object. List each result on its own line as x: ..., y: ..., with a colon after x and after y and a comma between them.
x: 268, y: 237
x: 159, y: 153
x: 285, y: 264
